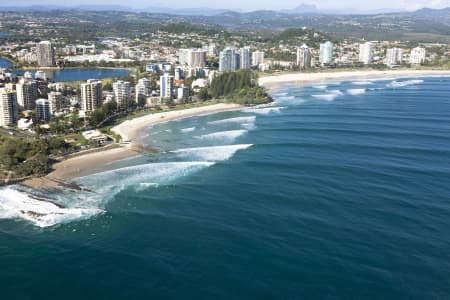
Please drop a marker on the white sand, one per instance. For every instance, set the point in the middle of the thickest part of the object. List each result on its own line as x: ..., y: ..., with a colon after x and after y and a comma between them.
x: 90, y: 163
x: 128, y: 130
x: 275, y: 81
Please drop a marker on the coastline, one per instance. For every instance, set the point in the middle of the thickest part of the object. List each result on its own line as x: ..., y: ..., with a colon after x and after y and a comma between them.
x: 91, y: 163
x: 128, y: 130
x: 275, y: 81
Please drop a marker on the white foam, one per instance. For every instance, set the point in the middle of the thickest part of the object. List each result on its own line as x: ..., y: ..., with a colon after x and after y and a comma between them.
x: 336, y: 92
x: 114, y: 181
x: 287, y: 98
x: 19, y: 204
x: 216, y: 153
x: 266, y: 110
x: 248, y: 126
x: 185, y: 130
x: 249, y: 119
x: 320, y: 87
x: 398, y: 84
x: 362, y: 82
x: 228, y: 136
x: 326, y: 97
x: 356, y: 91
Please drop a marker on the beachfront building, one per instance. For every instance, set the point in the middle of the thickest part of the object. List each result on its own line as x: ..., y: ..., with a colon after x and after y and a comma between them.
x: 43, y: 113
x: 55, y: 100
x: 91, y: 95
x: 122, y: 93
x: 418, y: 56
x: 394, y: 56
x: 245, y: 58
x: 45, y: 54
x: 303, y: 57
x: 182, y: 93
x: 142, y: 89
x: 257, y: 58
x: 366, y: 53
x: 27, y: 94
x: 228, y: 60
x: 166, y: 86
x: 8, y: 108
x: 326, y: 53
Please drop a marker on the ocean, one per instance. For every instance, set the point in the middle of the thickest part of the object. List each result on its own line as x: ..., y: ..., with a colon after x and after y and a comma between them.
x: 337, y: 190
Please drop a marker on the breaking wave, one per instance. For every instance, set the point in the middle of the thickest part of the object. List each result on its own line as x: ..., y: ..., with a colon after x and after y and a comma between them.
x: 250, y: 119
x: 114, y: 181
x: 328, y: 97
x: 185, y: 130
x: 46, y: 212
x: 18, y: 204
x: 356, y: 91
x: 320, y: 87
x: 266, y: 110
x: 228, y: 136
x: 398, y: 84
x: 215, y: 153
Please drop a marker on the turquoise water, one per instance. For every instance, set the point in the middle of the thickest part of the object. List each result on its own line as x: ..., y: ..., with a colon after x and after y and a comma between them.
x: 335, y: 191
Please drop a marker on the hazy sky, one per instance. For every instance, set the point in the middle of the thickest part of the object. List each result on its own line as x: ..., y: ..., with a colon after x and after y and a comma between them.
x: 251, y: 4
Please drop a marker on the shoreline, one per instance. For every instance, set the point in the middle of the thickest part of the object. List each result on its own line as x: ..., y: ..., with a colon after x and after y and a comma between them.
x: 90, y: 163
x: 272, y: 82
x: 129, y: 129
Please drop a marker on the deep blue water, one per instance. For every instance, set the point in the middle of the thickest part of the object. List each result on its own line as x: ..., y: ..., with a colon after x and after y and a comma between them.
x: 336, y: 191
x: 5, y: 34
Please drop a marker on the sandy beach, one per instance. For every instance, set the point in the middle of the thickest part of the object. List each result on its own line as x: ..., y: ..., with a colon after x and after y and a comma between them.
x: 273, y: 82
x: 128, y: 130
x: 91, y: 163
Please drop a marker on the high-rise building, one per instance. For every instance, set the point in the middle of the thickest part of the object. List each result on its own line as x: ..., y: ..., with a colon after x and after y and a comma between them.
x: 8, y: 108
x: 194, y: 58
x: 366, y: 53
x: 303, y: 57
x: 55, y: 100
x: 166, y: 86
x: 91, y: 95
x: 245, y: 55
x: 183, y: 93
x: 122, y: 93
x: 45, y: 54
x: 228, y: 60
x: 178, y: 72
x: 394, y: 56
x: 326, y: 53
x: 418, y: 56
x: 143, y: 89
x: 257, y: 58
x: 43, y: 112
x: 27, y: 94
x: 197, y: 59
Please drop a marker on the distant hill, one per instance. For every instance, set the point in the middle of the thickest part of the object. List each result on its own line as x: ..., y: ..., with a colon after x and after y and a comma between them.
x: 424, y: 25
